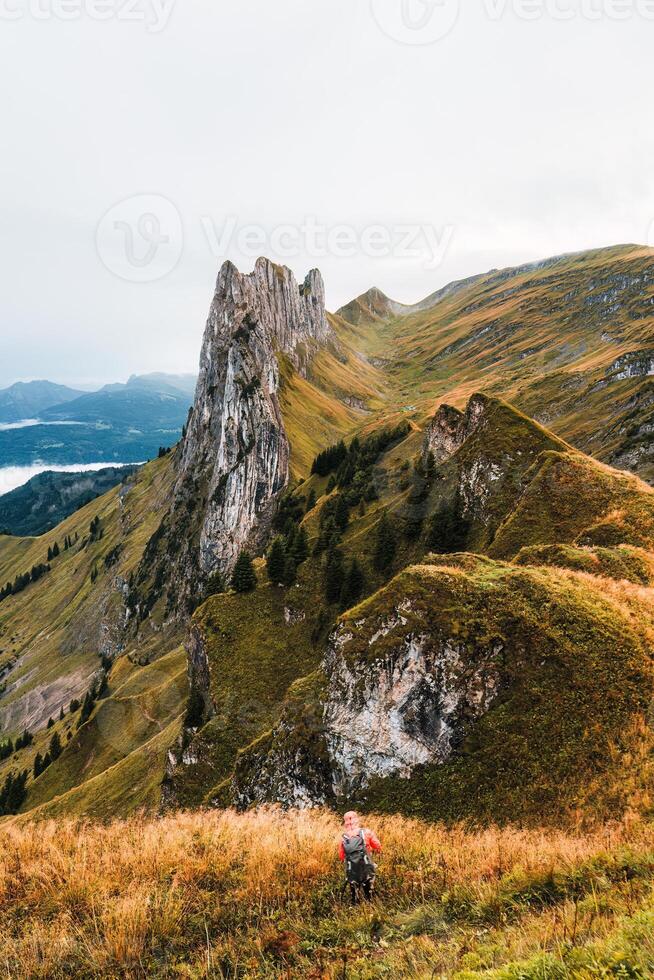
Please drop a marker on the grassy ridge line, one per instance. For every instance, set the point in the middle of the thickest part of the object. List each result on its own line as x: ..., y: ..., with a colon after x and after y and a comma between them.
x: 129, y: 786
x: 341, y: 392
x: 183, y: 896
x: 541, y: 338
x: 572, y: 637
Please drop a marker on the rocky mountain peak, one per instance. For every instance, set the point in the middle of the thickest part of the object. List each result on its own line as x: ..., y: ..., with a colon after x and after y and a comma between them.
x: 234, y: 458
x: 269, y: 298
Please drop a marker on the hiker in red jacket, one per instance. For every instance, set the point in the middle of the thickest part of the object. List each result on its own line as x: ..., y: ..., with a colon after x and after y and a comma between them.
x: 356, y: 845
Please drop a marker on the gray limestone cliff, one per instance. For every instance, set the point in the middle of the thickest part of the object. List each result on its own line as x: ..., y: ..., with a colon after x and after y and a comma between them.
x: 233, y: 462
x: 395, y: 694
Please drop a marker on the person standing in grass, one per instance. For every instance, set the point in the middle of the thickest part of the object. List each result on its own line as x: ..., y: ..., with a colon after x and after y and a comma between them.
x: 357, y: 845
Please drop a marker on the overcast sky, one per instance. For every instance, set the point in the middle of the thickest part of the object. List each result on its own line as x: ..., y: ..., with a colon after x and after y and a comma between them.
x: 390, y: 142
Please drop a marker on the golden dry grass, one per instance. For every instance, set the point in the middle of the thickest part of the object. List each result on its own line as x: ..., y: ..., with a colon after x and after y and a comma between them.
x: 217, y: 894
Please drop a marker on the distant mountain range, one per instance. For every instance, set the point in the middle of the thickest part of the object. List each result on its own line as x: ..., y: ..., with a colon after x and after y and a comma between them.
x: 26, y: 400
x: 49, y: 424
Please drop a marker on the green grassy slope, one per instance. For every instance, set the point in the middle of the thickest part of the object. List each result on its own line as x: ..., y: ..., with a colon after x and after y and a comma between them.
x: 573, y: 613
x: 544, y: 337
x: 55, y: 634
x: 569, y: 733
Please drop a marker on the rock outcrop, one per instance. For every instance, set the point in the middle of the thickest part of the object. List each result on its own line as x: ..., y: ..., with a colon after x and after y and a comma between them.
x: 403, y: 705
x: 395, y: 694
x: 635, y: 364
x: 466, y: 689
x: 450, y: 428
x: 233, y: 462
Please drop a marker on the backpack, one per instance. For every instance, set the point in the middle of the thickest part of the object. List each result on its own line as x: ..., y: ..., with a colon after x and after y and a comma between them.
x: 359, y: 868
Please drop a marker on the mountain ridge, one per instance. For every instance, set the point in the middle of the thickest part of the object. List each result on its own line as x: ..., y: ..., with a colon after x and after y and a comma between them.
x: 443, y: 507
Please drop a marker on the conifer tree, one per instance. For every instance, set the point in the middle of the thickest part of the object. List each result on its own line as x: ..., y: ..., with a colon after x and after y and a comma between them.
x: 311, y: 501
x: 301, y: 546
x: 353, y: 584
x: 341, y: 512
x: 385, y: 544
x: 276, y: 561
x: 244, y: 578
x: 290, y: 570
x: 334, y: 576
x: 54, y: 749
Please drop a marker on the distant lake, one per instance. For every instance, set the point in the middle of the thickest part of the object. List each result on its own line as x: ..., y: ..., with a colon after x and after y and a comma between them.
x: 15, y: 476
x: 28, y: 423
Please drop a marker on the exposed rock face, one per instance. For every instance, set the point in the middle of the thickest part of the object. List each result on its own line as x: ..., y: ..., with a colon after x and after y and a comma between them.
x: 484, y: 454
x: 236, y: 438
x: 393, y: 700
x: 450, y: 428
x: 286, y: 769
x: 234, y: 460
x: 407, y: 707
x: 198, y: 668
x: 635, y: 364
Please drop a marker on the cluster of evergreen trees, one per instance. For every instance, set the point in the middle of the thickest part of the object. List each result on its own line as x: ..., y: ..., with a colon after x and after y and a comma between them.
x: 38, y: 571
x: 351, y: 468
x: 285, y: 554
x: 94, y: 693
x: 22, y: 581
x: 96, y: 531
x: 13, y: 793
x: 53, y: 552
x: 448, y: 529
x: 330, y: 459
x: 55, y: 749
x: 8, y: 748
